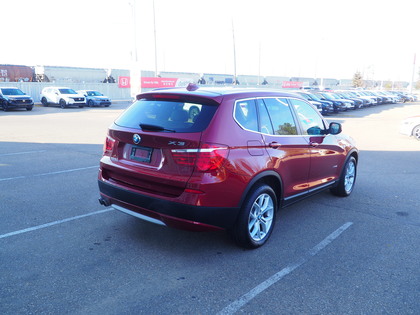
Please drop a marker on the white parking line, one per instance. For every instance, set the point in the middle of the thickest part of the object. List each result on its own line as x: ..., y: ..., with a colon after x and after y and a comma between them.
x: 27, y: 152
x: 244, y: 299
x: 34, y: 228
x: 50, y: 173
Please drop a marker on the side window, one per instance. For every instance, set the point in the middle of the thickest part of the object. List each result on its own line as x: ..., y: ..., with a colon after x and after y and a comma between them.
x: 246, y: 114
x: 309, y: 118
x: 281, y: 116
x: 265, y: 122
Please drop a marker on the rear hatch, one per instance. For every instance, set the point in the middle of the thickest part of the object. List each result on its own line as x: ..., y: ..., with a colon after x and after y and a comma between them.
x: 152, y: 146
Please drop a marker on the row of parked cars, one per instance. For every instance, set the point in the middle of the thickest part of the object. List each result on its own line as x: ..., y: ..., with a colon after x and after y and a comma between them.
x: 328, y: 102
x: 12, y: 97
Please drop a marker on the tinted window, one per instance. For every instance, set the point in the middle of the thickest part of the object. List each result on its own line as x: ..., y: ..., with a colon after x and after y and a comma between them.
x: 6, y: 91
x: 281, y: 116
x: 309, y: 118
x: 167, y: 116
x: 67, y: 91
x: 265, y: 122
x: 246, y: 114
x: 93, y: 93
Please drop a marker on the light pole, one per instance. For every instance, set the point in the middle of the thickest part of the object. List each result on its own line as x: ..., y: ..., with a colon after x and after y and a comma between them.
x: 412, y: 75
x: 234, y: 55
x: 154, y: 31
x: 135, y: 71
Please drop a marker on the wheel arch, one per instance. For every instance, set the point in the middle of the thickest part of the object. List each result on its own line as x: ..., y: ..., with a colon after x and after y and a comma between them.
x: 270, y: 178
x: 413, y: 131
x: 353, y: 153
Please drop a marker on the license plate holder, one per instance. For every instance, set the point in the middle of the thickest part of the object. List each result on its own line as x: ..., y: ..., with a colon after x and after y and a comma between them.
x: 141, y: 154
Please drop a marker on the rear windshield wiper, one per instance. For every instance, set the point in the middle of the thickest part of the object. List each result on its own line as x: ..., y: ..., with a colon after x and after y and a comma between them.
x: 155, y: 128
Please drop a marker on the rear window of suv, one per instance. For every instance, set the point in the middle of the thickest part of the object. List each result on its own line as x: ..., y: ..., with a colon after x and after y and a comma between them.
x: 167, y: 116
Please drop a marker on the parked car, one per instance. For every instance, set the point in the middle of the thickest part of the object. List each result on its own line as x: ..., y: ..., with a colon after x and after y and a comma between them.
x: 95, y: 98
x: 350, y: 104
x: 411, y: 127
x: 326, y: 106
x: 62, y: 96
x: 12, y: 97
x: 315, y: 104
x: 247, y: 153
x: 404, y: 97
x: 358, y: 102
x: 370, y: 98
x: 339, y: 106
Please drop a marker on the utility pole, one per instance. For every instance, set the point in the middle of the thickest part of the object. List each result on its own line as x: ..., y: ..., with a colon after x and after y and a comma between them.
x: 234, y: 56
x: 154, y: 30
x: 135, y: 70
x: 412, y: 75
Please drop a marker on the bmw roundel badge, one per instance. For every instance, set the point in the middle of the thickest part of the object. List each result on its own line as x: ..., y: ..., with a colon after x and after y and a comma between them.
x: 136, y: 138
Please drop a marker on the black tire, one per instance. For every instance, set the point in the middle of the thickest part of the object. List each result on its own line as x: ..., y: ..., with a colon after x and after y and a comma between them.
x: 29, y: 108
x: 62, y: 103
x: 90, y: 103
x: 5, y: 106
x: 44, y: 101
x: 256, y: 219
x: 416, y: 132
x: 347, y: 179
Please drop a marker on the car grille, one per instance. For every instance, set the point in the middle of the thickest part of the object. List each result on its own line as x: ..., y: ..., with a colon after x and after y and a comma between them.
x: 78, y: 99
x: 21, y: 101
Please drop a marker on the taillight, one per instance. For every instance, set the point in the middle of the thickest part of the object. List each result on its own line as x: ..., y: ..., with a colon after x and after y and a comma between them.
x: 208, y: 157
x: 211, y: 156
x: 108, y: 145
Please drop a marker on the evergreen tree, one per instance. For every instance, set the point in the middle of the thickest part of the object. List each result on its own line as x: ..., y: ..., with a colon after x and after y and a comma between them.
x: 357, y: 80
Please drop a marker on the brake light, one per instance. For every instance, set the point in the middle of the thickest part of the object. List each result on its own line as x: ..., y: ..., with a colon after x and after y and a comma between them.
x: 211, y: 157
x: 108, y: 145
x: 208, y: 157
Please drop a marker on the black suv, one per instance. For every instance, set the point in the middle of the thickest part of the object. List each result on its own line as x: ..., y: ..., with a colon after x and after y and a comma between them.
x: 12, y: 97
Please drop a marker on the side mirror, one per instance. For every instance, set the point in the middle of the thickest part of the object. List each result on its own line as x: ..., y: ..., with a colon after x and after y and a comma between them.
x: 335, y: 128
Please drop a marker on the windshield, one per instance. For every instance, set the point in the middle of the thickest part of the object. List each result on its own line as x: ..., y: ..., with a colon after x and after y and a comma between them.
x: 315, y: 97
x: 334, y: 96
x: 171, y: 116
x: 67, y: 91
x: 306, y: 96
x: 12, y: 92
x: 327, y: 96
x: 94, y: 93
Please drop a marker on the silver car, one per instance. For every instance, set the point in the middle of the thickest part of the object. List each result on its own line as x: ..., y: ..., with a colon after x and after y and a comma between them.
x: 411, y: 127
x: 95, y: 98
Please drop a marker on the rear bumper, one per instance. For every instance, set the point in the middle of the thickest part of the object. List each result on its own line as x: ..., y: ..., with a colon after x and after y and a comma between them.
x: 173, y: 214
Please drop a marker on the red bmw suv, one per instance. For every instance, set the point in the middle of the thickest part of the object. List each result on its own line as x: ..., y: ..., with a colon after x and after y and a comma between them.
x: 226, y: 158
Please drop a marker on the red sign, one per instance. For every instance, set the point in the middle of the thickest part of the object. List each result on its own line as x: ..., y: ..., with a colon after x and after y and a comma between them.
x: 292, y: 84
x: 158, y: 82
x: 124, y: 82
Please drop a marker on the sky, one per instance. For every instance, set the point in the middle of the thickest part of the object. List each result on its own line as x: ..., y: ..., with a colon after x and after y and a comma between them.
x: 305, y: 38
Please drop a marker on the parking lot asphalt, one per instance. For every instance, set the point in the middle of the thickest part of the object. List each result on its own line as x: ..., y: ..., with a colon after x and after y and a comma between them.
x: 63, y: 253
